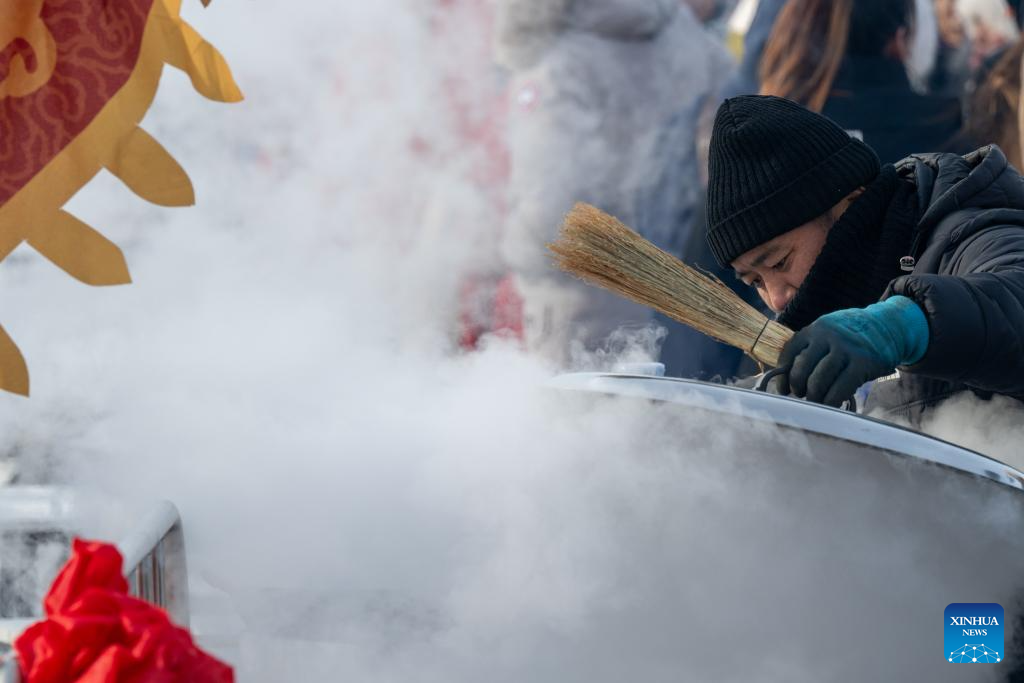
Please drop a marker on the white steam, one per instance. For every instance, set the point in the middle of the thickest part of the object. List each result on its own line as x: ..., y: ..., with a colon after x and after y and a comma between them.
x: 991, y: 427
x: 373, y: 505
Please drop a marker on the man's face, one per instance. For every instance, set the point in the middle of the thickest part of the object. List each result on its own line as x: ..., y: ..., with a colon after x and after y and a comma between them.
x: 778, y: 268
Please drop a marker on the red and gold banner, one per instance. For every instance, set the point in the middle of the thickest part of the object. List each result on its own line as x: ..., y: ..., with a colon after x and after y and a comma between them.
x: 76, y: 78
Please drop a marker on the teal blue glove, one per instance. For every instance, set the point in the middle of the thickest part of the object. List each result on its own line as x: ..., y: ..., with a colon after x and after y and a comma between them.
x: 830, y: 359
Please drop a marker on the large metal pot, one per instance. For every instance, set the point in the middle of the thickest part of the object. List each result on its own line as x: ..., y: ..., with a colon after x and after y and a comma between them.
x: 834, y: 542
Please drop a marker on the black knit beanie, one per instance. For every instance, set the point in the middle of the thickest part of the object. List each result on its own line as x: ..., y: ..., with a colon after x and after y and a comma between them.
x: 775, y: 166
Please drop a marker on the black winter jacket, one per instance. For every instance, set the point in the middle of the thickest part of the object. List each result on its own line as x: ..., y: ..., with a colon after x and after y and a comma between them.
x: 969, y: 280
x: 873, y: 100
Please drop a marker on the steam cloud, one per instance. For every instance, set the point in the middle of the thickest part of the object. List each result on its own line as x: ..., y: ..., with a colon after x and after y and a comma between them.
x: 364, y: 503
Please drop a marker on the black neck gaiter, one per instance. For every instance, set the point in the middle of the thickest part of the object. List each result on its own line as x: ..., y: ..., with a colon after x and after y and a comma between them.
x: 862, y: 252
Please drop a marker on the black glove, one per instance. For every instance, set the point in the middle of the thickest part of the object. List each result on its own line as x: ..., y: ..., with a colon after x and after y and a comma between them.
x: 830, y: 359
x: 825, y: 366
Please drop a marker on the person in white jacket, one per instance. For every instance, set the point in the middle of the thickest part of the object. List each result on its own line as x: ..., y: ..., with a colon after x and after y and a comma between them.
x: 606, y: 94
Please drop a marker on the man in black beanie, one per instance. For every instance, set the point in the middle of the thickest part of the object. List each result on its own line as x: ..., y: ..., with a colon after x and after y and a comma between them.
x: 917, y: 266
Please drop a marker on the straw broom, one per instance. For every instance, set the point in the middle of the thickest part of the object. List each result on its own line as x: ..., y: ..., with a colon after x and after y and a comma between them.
x: 601, y: 251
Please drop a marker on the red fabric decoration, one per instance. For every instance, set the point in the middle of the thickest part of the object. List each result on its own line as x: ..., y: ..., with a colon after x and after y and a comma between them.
x: 96, y: 633
x: 489, y: 306
x: 508, y: 310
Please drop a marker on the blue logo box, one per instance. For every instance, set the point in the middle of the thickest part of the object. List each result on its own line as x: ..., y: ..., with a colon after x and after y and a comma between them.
x: 974, y: 633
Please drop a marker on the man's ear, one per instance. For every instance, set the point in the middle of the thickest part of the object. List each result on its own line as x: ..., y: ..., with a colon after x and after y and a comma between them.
x: 837, y: 211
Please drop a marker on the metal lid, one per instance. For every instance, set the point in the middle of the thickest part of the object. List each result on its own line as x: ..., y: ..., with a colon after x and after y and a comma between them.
x: 797, y: 414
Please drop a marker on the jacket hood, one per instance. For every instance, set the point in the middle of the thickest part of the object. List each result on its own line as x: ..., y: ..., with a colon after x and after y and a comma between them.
x: 947, y: 183
x: 526, y: 28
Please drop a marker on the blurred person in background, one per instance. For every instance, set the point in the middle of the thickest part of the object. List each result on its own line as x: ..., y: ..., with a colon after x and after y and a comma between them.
x: 993, y: 111
x: 921, y: 60
x: 990, y: 28
x: 992, y: 99
x: 605, y: 96
x: 848, y: 60
x: 952, y: 69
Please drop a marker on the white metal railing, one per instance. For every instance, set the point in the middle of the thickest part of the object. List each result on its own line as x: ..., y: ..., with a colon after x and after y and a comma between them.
x: 10, y: 671
x: 154, y: 562
x: 154, y: 565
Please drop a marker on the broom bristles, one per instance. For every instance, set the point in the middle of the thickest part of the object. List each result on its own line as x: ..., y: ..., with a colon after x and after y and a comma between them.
x: 600, y: 250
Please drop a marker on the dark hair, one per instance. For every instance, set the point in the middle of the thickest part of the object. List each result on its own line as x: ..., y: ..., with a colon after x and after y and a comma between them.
x: 812, y: 37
